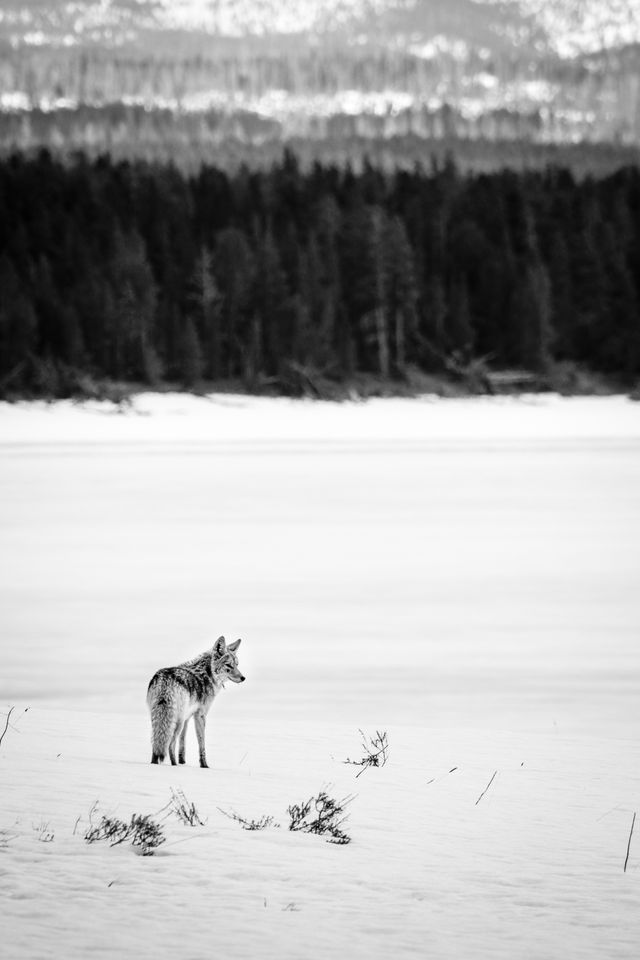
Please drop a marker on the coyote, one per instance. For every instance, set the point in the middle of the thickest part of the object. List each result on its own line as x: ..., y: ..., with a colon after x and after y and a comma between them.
x: 176, y: 694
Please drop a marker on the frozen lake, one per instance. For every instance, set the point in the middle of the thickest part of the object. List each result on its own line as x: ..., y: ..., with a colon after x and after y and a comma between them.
x: 404, y: 562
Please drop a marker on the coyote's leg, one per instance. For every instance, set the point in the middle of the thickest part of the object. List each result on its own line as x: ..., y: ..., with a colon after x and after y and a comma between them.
x: 172, y: 744
x: 183, y: 737
x: 199, y: 719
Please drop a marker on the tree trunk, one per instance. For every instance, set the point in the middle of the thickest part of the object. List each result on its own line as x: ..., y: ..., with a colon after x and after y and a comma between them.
x: 383, y: 341
x: 400, y: 342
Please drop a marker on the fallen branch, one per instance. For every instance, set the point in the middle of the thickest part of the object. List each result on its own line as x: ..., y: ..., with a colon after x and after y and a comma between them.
x: 486, y: 788
x: 626, y: 859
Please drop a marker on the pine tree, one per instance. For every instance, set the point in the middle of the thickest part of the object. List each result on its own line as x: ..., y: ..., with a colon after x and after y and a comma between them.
x: 460, y: 333
x: 432, y: 332
x: 73, y: 352
x: 234, y: 271
x: 207, y: 300
x: 619, y: 340
x: 134, y: 307
x: 359, y: 244
x: 377, y: 255
x: 532, y: 332
x: 192, y: 359
x: 272, y: 305
x: 18, y: 325
x: 401, y: 292
x: 23, y: 329
x: 588, y: 284
x: 562, y: 301
x: 48, y: 308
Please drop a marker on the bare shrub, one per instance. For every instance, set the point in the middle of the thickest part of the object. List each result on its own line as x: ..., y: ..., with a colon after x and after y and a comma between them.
x: 184, y: 810
x: 321, y: 815
x: 260, y: 824
x: 6, y: 838
x: 44, y: 832
x: 141, y: 831
x: 376, y: 751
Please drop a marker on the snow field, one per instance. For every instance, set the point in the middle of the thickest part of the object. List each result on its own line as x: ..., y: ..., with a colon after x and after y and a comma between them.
x: 462, y: 574
x: 176, y: 418
x: 535, y: 868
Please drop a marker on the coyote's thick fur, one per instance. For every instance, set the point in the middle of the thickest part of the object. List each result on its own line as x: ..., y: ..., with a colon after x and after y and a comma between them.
x: 176, y: 694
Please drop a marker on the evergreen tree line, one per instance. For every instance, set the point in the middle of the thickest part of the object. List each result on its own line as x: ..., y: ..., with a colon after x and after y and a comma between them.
x: 136, y: 272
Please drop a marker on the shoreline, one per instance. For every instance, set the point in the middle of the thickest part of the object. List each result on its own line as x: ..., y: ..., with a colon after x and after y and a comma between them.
x: 234, y: 419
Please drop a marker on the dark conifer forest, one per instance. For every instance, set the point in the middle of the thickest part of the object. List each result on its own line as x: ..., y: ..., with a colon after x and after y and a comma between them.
x: 293, y: 280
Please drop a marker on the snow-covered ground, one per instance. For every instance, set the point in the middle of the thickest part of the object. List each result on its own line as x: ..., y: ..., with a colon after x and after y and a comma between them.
x: 462, y: 574
x: 178, y: 418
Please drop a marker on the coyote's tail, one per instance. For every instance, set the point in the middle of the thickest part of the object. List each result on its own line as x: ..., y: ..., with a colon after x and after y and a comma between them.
x: 162, y: 721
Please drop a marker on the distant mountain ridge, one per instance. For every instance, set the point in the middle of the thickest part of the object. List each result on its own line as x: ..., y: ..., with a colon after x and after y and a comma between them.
x: 565, y: 27
x: 548, y: 71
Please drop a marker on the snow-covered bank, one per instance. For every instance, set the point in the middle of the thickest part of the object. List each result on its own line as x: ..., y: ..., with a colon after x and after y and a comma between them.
x: 169, y: 418
x: 534, y: 869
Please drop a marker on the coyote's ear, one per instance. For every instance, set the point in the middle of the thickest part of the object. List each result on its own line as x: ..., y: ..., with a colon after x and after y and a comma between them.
x: 234, y: 646
x: 219, y: 648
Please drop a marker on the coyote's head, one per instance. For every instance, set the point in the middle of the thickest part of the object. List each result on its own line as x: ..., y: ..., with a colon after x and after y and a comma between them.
x: 224, y: 661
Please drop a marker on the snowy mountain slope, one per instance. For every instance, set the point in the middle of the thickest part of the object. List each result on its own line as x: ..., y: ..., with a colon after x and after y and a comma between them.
x: 566, y: 27
x: 558, y: 71
x: 572, y: 27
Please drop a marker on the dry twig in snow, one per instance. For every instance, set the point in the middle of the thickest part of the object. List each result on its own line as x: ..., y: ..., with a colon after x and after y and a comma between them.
x: 486, y: 788
x: 6, y: 723
x: 376, y: 751
x: 626, y: 859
